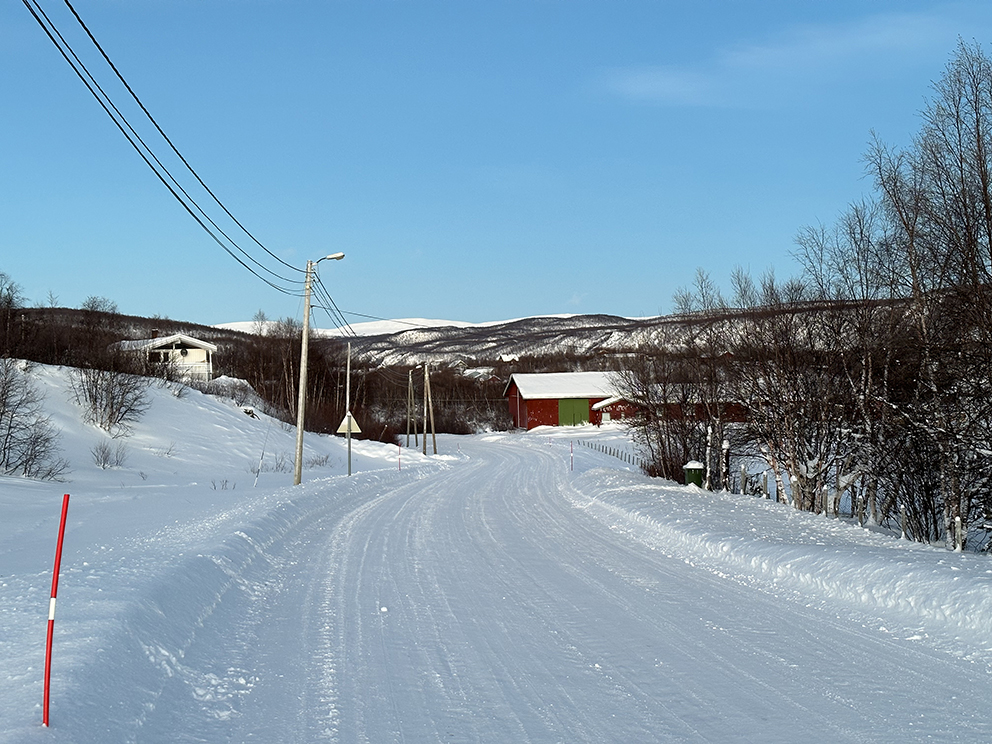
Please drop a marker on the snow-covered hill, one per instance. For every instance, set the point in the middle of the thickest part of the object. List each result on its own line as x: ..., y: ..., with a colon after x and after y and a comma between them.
x: 415, y: 340
x: 582, y: 335
x: 379, y: 327
x: 515, y: 587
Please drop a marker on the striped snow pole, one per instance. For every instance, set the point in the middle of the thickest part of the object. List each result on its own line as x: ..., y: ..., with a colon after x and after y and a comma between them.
x: 51, y: 610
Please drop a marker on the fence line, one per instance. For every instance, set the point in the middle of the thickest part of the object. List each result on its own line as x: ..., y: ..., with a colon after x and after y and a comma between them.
x: 621, y: 455
x: 746, y: 478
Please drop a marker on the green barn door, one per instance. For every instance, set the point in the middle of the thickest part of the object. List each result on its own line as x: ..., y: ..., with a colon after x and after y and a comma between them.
x: 573, y: 411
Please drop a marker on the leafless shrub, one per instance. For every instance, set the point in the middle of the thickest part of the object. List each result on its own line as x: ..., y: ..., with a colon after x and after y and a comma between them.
x: 28, y: 441
x: 107, y: 456
x: 279, y: 463
x: 179, y: 387
x: 316, y: 461
x: 111, y: 399
x: 665, y: 430
x: 167, y: 451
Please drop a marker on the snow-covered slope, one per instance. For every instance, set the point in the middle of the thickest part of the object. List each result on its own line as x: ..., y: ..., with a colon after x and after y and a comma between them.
x: 414, y: 340
x: 368, y: 328
x: 516, y: 587
x: 382, y: 327
x: 582, y: 335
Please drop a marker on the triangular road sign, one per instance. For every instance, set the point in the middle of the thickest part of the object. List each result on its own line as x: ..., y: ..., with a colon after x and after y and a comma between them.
x: 349, y: 421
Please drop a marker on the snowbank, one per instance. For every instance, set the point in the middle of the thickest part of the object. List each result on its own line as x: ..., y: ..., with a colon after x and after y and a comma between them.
x: 918, y: 590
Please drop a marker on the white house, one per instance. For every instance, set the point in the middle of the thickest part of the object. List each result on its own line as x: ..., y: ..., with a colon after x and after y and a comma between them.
x: 192, y: 357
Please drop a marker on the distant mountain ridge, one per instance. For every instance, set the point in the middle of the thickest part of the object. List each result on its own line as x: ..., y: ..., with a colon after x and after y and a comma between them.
x: 380, y: 327
x: 476, y: 344
x: 412, y: 341
x: 543, y: 337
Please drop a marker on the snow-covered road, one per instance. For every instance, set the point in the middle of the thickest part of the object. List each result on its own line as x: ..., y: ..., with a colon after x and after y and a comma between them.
x: 492, y: 594
x: 478, y: 603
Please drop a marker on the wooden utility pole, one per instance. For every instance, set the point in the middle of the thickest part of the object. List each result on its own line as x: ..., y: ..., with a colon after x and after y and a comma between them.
x: 426, y: 388
x: 430, y: 407
x: 302, y: 399
x: 409, y: 405
x: 347, y: 399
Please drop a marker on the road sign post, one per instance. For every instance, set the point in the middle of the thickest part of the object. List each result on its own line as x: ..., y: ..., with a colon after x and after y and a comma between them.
x: 349, y: 426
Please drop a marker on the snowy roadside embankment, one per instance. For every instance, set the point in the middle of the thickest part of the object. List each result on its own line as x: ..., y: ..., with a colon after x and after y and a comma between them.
x: 154, y: 545
x: 920, y: 592
x: 145, y: 647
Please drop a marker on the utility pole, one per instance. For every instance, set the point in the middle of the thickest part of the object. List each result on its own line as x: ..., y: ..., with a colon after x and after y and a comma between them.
x: 302, y: 399
x: 409, y: 405
x: 426, y: 388
x: 347, y: 399
x: 430, y: 406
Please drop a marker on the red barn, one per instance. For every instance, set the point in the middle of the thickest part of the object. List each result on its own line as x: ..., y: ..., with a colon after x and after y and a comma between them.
x: 559, y: 398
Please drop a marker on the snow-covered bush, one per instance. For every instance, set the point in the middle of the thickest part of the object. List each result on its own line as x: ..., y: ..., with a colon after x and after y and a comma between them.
x: 28, y: 440
x: 106, y: 456
x: 111, y: 399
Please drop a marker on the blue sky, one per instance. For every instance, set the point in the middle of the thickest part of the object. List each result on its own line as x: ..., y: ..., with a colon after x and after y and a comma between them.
x: 475, y: 160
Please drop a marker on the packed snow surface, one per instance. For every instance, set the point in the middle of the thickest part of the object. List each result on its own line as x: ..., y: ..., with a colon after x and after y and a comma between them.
x: 513, y: 588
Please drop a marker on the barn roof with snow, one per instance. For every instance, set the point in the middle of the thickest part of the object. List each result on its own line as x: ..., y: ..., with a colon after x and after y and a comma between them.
x: 563, y: 385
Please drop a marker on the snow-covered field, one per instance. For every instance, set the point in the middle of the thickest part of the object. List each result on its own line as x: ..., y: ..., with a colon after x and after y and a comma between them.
x: 514, y: 588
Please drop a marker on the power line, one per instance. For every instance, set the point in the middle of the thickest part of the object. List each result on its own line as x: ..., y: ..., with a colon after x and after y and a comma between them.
x: 148, y: 155
x: 169, y: 141
x: 387, y: 320
x: 106, y: 103
x: 330, y: 306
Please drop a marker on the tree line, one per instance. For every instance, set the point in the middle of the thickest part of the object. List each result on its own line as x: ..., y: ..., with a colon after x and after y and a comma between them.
x: 259, y: 369
x: 866, y: 378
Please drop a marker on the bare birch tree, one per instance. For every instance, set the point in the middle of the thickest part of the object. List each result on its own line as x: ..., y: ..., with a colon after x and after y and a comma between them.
x: 938, y: 197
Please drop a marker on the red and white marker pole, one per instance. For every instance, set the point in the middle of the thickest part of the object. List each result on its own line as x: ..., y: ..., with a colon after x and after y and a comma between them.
x: 51, y: 610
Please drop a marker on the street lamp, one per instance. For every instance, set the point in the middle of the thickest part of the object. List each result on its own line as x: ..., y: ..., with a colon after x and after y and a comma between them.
x: 301, y: 403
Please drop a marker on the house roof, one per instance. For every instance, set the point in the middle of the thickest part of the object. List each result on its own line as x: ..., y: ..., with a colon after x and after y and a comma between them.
x: 608, y: 402
x: 160, y: 342
x: 563, y: 385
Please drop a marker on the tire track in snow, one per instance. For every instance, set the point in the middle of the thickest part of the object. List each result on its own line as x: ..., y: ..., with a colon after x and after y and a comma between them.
x: 476, y: 602
x: 512, y: 615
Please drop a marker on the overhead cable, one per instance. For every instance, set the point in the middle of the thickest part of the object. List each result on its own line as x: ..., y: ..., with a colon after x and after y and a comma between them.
x: 121, y: 122
x: 169, y: 141
x: 331, y: 307
x: 387, y: 320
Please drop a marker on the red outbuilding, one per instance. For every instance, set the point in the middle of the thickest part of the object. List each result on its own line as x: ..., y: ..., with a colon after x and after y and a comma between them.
x: 562, y: 399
